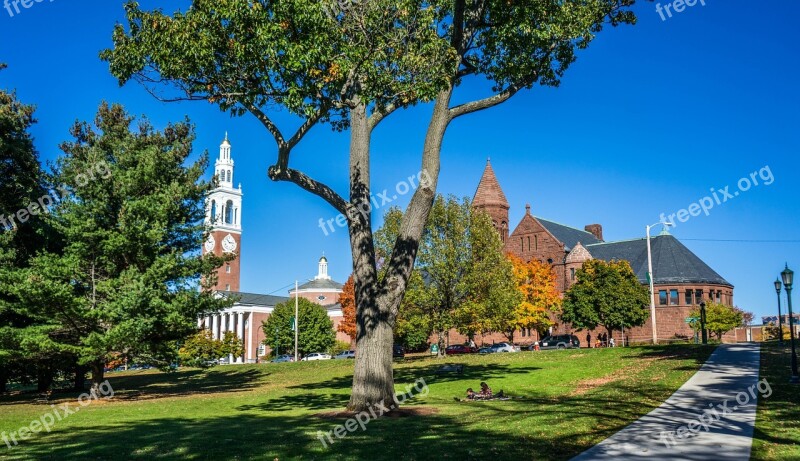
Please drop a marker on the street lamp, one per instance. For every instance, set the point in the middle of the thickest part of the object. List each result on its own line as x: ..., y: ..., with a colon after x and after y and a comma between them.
x: 650, y: 278
x: 703, y: 322
x: 788, y: 276
x: 780, y: 317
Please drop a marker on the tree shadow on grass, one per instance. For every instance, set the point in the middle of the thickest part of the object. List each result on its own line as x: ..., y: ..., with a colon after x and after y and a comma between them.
x: 524, y: 429
x: 154, y: 384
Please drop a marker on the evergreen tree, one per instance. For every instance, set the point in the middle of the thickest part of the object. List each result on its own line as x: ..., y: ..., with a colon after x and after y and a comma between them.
x: 131, y: 215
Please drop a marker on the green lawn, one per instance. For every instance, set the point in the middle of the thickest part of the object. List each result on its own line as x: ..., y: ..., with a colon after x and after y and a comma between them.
x: 777, y: 434
x: 566, y: 401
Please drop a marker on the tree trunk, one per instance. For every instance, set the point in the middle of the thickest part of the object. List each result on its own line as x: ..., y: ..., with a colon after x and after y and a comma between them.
x: 377, y: 302
x: 98, y: 373
x: 440, y: 343
x: 44, y: 377
x: 4, y: 375
x: 79, y: 382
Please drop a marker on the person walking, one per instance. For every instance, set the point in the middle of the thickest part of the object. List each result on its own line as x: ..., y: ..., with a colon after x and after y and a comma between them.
x: 589, y: 340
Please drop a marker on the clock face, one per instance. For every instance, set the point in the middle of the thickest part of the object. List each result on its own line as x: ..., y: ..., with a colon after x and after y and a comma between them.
x: 210, y: 242
x: 229, y: 244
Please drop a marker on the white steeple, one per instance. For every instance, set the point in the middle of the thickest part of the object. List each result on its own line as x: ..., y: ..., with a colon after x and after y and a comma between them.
x: 224, y: 204
x: 322, y: 273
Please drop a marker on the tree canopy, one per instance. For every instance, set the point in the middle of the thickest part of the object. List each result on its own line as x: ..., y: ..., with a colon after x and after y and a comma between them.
x: 316, y: 328
x: 353, y: 67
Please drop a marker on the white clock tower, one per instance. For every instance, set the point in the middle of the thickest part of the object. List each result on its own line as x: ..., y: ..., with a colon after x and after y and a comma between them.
x: 224, y: 215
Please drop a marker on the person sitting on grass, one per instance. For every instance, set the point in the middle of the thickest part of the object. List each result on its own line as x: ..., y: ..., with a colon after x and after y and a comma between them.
x: 470, y: 394
x: 486, y: 392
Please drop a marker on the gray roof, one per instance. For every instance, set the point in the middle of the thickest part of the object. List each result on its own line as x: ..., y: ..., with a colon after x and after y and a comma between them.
x: 569, y: 236
x: 320, y: 284
x: 672, y: 261
x: 253, y: 299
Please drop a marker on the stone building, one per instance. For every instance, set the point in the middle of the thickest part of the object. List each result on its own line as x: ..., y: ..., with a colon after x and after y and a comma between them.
x: 681, y: 279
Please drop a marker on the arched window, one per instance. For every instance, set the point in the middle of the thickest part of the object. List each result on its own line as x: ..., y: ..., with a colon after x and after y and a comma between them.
x: 229, y: 175
x: 229, y: 212
x: 213, y: 210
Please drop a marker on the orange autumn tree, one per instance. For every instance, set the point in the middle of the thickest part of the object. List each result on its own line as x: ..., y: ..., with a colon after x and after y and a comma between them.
x: 537, y: 283
x: 348, y: 301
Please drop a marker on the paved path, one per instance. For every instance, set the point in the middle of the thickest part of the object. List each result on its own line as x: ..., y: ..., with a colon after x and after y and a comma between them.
x: 677, y: 429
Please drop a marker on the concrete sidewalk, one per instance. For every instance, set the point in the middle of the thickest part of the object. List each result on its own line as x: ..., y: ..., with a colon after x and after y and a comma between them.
x: 712, y: 416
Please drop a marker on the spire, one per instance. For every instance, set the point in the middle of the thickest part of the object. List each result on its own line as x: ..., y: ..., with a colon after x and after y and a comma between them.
x: 489, y: 191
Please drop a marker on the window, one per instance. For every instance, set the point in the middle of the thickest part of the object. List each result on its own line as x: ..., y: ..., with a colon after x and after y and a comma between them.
x: 227, y: 287
x: 688, y: 300
x: 228, y: 269
x: 719, y: 296
x: 213, y: 210
x: 698, y: 296
x: 662, y: 297
x: 536, y: 241
x: 522, y: 333
x: 229, y: 175
x: 529, y: 243
x: 572, y: 273
x: 229, y: 212
x: 673, y: 297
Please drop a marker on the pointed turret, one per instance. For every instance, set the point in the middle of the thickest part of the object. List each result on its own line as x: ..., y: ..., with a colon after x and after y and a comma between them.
x: 489, y: 198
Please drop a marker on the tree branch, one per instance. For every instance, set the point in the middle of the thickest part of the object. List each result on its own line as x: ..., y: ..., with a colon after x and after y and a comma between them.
x: 276, y: 173
x: 491, y: 101
x: 270, y: 126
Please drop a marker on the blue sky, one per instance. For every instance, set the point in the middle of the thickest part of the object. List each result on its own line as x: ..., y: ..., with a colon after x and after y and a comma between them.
x: 647, y: 121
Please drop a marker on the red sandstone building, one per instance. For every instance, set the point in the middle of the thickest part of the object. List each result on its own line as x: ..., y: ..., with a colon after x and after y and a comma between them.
x: 681, y: 279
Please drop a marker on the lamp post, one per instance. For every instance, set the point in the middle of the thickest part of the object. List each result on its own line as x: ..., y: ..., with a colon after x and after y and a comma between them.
x: 788, y: 276
x: 703, y: 330
x: 650, y: 278
x: 780, y: 317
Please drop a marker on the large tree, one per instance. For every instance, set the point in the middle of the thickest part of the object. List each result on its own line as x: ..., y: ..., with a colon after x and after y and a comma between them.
x: 316, y: 328
x: 541, y: 301
x: 131, y: 213
x: 606, y: 294
x: 464, y: 281
x: 353, y: 67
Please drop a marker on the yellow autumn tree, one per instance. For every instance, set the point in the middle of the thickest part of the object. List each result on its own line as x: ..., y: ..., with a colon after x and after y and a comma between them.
x: 540, y: 299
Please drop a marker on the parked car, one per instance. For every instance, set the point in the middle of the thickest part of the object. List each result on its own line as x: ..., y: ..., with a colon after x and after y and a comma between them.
x: 485, y: 350
x: 345, y: 355
x: 460, y: 349
x: 283, y: 358
x: 316, y: 356
x: 504, y: 347
x: 560, y: 342
x: 398, y: 352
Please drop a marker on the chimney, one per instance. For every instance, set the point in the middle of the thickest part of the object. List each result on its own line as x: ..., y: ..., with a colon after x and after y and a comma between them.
x: 596, y: 230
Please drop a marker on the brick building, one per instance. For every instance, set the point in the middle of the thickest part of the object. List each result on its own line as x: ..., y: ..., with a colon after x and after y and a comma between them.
x: 681, y: 279
x: 245, y: 317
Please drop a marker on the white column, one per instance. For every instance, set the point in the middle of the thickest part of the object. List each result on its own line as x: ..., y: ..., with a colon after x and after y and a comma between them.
x: 229, y: 327
x: 215, y: 326
x: 240, y: 332
x: 199, y: 321
x: 208, y: 322
x: 250, y: 346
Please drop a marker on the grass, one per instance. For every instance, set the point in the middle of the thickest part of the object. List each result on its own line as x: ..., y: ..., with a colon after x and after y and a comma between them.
x: 777, y: 433
x: 565, y: 402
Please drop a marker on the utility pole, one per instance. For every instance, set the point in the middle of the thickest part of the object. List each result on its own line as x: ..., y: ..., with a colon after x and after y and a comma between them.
x: 296, y: 319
